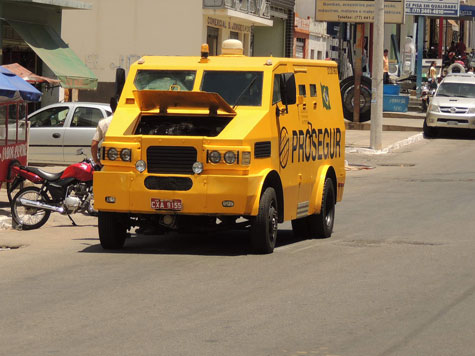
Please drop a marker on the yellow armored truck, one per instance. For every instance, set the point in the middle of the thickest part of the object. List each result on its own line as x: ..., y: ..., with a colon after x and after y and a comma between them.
x: 223, y: 142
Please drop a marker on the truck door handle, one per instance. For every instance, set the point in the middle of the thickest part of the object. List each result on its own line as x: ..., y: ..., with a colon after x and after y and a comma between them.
x: 56, y: 135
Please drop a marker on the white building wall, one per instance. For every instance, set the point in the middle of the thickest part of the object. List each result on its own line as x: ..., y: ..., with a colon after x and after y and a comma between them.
x: 318, y: 40
x: 305, y: 8
x: 118, y: 32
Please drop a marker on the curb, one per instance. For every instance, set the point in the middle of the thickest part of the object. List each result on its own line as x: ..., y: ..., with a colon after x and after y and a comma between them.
x: 408, y: 141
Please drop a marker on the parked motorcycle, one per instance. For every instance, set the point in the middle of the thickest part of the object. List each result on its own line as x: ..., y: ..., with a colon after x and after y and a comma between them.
x: 66, y: 192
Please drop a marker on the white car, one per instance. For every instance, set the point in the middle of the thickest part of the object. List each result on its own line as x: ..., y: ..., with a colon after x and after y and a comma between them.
x: 453, y: 105
x: 57, y: 131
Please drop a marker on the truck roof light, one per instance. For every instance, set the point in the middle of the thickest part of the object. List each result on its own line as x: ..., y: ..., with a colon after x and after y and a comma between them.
x: 232, y: 47
x: 204, y: 50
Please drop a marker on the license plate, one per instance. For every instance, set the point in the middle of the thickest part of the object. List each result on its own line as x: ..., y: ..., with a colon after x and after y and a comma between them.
x: 452, y: 122
x: 161, y: 204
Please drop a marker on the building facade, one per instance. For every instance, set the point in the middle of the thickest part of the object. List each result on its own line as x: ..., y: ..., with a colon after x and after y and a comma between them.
x: 30, y: 35
x: 119, y: 32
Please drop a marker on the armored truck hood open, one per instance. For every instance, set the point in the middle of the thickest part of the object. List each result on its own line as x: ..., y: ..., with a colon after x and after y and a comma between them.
x: 182, y: 102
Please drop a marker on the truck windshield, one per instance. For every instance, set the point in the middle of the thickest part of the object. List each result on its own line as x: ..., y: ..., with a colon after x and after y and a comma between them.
x: 165, y: 80
x: 237, y: 88
x: 459, y: 90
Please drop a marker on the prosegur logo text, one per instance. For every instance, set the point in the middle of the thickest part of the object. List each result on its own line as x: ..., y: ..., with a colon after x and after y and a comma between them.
x: 310, y: 145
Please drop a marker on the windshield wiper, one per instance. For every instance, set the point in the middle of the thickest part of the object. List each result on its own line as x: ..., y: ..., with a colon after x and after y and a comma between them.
x: 245, y: 89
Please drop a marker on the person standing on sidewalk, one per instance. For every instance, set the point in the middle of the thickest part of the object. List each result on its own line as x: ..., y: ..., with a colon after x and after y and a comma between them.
x: 433, y: 75
x: 385, y: 67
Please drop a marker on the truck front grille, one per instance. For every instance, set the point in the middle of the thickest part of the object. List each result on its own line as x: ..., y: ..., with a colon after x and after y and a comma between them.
x: 171, y: 159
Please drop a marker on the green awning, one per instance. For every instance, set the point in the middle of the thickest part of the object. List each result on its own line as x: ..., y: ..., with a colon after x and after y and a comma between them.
x: 57, y: 55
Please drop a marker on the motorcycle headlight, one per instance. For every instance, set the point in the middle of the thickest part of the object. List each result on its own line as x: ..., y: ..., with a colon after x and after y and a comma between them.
x: 112, y: 154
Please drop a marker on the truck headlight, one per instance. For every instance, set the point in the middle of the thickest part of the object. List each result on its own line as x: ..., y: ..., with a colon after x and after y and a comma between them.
x: 434, y: 107
x: 126, y: 154
x: 197, y: 167
x: 140, y: 166
x: 214, y: 157
x: 230, y: 157
x: 112, y: 154
x: 246, y: 158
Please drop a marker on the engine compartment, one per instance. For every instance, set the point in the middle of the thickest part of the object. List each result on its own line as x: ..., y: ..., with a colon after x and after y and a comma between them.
x: 165, y: 125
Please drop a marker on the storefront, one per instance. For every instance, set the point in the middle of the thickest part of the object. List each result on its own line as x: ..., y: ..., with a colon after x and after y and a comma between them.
x: 233, y: 21
x: 302, y: 36
x: 30, y: 36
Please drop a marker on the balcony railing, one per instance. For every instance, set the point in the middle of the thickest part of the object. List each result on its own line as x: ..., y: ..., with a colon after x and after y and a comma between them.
x: 259, y: 8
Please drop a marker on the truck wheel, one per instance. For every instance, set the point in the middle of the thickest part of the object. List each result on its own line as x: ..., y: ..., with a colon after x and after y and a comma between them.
x: 429, y: 132
x: 264, y: 226
x: 300, y: 228
x: 321, y: 225
x: 112, y: 230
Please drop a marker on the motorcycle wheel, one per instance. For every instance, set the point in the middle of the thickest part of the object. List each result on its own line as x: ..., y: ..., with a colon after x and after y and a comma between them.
x: 29, y: 218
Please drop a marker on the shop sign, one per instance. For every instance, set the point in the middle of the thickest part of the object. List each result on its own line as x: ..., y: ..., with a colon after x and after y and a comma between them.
x: 302, y: 25
x: 232, y: 26
x: 439, y: 8
x: 358, y: 11
x: 467, y: 11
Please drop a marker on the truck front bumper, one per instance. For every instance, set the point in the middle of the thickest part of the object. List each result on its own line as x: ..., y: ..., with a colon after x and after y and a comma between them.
x: 208, y: 195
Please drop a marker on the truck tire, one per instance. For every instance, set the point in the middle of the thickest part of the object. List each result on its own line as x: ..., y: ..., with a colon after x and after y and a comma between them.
x: 347, y: 87
x: 321, y: 225
x: 264, y: 225
x: 112, y: 230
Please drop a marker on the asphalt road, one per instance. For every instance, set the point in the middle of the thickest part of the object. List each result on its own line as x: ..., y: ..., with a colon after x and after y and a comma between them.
x: 396, y: 278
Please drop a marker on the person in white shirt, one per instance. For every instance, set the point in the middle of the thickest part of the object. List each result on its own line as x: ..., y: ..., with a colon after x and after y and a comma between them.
x: 101, y: 130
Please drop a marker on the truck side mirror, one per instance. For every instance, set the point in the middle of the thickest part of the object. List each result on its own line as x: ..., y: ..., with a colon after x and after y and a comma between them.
x: 288, y: 89
x: 119, y: 85
x: 119, y: 81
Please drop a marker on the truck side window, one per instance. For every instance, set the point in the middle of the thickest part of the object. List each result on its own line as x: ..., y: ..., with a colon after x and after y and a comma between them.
x: 276, y: 92
x: 313, y: 90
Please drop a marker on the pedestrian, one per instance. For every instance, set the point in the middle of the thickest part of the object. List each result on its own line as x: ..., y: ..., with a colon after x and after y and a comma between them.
x: 100, y: 134
x: 385, y: 67
x: 433, y: 75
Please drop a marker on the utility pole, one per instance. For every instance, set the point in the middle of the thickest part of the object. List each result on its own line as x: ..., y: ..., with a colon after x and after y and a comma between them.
x: 358, y: 71
x: 377, y: 83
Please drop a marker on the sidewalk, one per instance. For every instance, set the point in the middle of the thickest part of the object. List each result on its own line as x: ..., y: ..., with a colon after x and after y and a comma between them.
x: 399, y: 129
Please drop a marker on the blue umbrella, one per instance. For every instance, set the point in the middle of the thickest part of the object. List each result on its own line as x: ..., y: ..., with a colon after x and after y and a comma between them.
x: 11, y: 85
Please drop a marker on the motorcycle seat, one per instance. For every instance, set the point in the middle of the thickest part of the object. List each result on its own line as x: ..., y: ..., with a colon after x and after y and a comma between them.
x: 43, y: 174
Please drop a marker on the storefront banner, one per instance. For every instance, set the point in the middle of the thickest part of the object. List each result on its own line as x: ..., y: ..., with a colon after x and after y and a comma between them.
x: 358, y: 11
x: 467, y: 11
x: 439, y: 8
